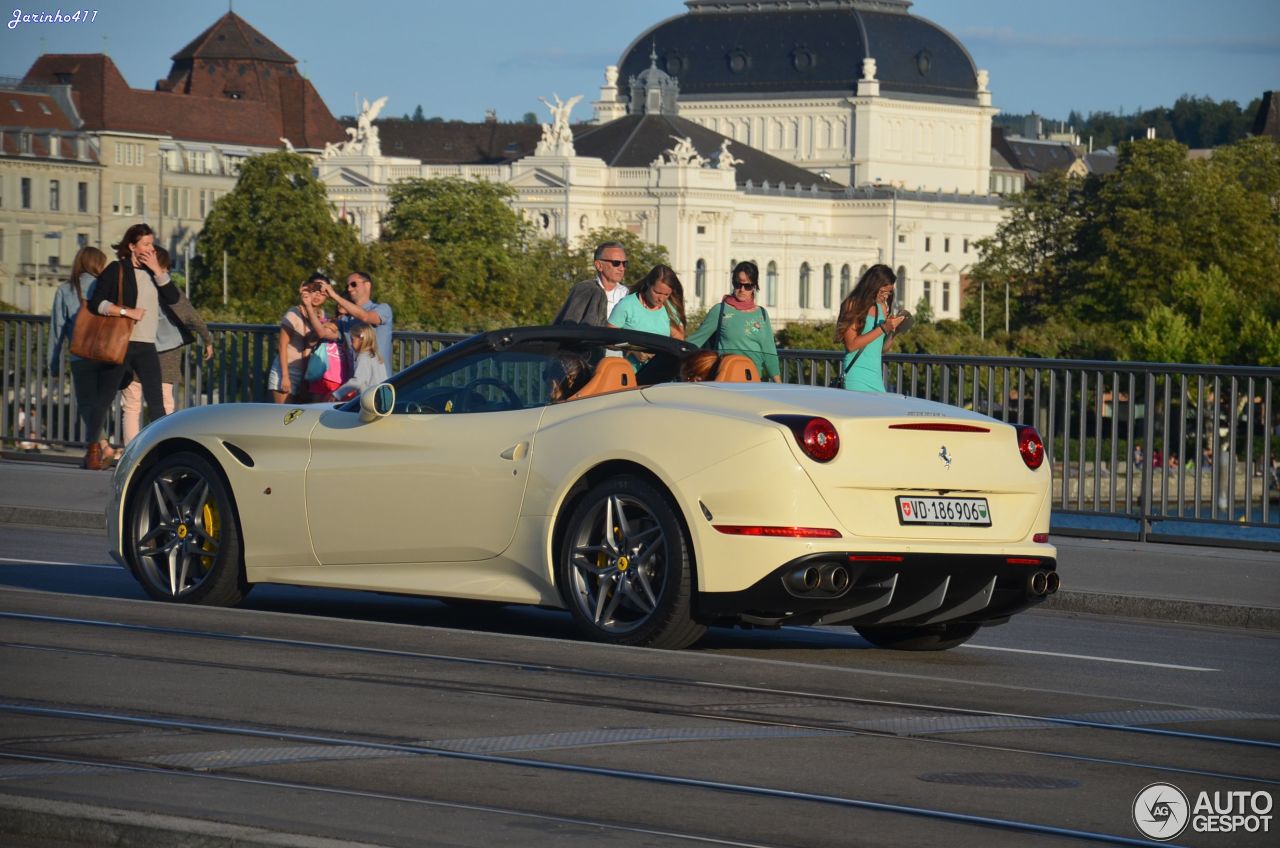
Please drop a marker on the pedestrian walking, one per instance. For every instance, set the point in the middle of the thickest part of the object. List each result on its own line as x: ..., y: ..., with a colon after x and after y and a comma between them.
x: 866, y: 326
x: 85, y: 268
x: 737, y: 324
x: 177, y: 326
x: 139, y: 285
x: 590, y: 302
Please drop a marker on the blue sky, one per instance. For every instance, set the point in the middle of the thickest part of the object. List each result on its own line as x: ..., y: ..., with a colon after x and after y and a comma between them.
x: 458, y: 58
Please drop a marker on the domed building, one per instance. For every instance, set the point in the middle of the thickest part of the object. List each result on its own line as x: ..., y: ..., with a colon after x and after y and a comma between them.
x: 859, y: 89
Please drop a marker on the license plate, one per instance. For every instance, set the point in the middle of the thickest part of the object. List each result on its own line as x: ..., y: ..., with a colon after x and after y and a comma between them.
x: 968, y: 512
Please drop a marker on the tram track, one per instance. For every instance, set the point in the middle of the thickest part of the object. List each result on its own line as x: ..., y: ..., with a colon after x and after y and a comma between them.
x: 764, y: 714
x: 410, y: 749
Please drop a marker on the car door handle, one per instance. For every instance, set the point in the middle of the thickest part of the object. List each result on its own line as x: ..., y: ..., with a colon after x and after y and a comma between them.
x: 516, y: 451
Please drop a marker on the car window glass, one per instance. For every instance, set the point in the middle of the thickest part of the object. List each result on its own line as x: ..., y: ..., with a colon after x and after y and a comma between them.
x: 486, y: 381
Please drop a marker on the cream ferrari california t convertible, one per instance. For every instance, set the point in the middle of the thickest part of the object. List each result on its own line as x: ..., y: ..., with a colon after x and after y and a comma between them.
x: 574, y: 468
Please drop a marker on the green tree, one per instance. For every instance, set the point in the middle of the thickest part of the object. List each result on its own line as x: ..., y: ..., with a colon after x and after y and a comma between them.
x: 276, y: 228
x: 419, y: 116
x: 453, y: 211
x: 924, y: 311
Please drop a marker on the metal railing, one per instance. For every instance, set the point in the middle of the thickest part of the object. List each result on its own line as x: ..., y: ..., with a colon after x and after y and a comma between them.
x: 1141, y: 451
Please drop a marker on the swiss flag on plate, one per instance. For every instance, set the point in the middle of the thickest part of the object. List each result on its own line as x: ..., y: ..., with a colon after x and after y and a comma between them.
x: 906, y: 508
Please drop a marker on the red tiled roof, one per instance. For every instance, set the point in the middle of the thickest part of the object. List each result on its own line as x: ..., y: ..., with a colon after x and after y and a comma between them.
x: 24, y: 109
x: 231, y: 37
x: 274, y: 102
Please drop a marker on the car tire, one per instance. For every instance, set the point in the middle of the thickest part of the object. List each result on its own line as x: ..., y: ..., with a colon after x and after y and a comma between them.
x: 182, y: 535
x: 935, y: 638
x: 625, y: 568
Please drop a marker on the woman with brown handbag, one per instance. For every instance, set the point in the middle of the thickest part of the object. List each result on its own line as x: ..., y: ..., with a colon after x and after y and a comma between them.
x: 131, y: 288
x: 85, y: 269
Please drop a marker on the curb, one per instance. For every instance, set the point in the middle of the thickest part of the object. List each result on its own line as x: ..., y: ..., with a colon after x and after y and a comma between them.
x: 39, y: 818
x: 67, y: 518
x: 1166, y: 609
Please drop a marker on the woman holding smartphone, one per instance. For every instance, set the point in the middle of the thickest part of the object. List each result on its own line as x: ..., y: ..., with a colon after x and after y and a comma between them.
x: 866, y: 327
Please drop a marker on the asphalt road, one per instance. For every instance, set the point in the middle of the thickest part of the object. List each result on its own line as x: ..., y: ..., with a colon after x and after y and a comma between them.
x: 326, y: 715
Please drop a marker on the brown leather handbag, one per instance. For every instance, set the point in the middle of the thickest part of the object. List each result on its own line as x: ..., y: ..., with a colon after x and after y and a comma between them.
x: 99, y: 337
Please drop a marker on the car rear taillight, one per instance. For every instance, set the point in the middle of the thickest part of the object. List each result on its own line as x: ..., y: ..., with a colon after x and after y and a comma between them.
x: 1030, y: 445
x: 817, y: 437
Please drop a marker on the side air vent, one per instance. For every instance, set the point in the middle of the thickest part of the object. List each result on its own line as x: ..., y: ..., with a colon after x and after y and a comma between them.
x: 239, y: 453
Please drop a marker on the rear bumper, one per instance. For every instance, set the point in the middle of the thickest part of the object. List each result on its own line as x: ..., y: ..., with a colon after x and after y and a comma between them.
x: 866, y: 588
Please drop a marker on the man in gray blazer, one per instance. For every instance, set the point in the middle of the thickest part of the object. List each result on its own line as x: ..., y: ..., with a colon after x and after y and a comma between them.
x: 590, y: 301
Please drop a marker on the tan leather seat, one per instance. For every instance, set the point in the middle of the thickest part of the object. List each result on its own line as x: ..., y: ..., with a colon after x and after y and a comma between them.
x: 612, y: 374
x: 736, y: 368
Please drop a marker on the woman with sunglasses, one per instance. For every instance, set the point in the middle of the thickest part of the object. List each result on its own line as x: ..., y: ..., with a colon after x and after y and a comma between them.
x: 737, y: 324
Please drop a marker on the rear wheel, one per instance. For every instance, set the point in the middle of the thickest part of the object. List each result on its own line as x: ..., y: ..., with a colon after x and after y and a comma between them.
x: 181, y: 536
x: 937, y: 637
x: 625, y: 567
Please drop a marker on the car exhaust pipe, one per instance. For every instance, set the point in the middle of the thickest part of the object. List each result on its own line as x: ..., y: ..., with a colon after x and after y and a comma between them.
x: 1038, y: 583
x: 833, y: 579
x: 801, y: 581
x: 1052, y: 582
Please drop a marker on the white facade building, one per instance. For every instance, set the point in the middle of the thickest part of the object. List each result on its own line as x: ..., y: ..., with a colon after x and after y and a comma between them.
x: 855, y: 133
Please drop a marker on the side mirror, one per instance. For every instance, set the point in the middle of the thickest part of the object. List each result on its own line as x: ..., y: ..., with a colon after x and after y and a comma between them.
x: 377, y: 402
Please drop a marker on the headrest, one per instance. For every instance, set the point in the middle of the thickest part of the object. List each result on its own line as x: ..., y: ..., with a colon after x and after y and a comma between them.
x: 612, y: 374
x: 736, y: 368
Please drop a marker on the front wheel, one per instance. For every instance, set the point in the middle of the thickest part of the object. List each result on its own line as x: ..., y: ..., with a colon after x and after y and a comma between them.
x: 181, y: 537
x: 625, y: 567
x: 938, y: 637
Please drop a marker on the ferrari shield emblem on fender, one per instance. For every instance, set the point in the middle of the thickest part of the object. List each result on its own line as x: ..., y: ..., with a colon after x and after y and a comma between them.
x: 291, y: 416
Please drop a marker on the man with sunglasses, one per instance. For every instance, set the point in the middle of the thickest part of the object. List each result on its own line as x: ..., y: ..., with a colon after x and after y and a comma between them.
x: 591, y: 301
x: 359, y: 306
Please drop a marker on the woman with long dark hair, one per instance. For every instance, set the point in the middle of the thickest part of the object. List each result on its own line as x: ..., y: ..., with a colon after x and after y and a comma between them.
x: 866, y: 327
x: 131, y: 288
x: 737, y: 324
x: 85, y: 268
x: 654, y: 305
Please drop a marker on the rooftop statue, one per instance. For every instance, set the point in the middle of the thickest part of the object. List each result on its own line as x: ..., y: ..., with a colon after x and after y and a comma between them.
x: 557, y: 138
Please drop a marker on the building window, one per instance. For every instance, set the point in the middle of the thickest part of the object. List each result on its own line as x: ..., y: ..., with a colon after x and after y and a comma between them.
x: 55, y: 146
x: 946, y: 245
x: 771, y: 285
x: 966, y: 245
x: 82, y: 240
x: 928, y: 243
x: 24, y: 142
x: 129, y: 199
x: 902, y: 239
x: 804, y: 285
x: 946, y: 298
x: 700, y: 279
x: 26, y: 192
x: 845, y: 281
x: 55, y: 195
x: 826, y: 286
x: 702, y: 231
x: 928, y: 292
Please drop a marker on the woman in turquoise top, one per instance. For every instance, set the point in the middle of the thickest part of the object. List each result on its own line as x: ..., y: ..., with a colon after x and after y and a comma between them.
x: 741, y: 326
x: 655, y: 305
x: 866, y: 328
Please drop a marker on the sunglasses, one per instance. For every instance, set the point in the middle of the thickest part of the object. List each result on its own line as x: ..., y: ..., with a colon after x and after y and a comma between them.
x: 748, y: 286
x: 617, y: 263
